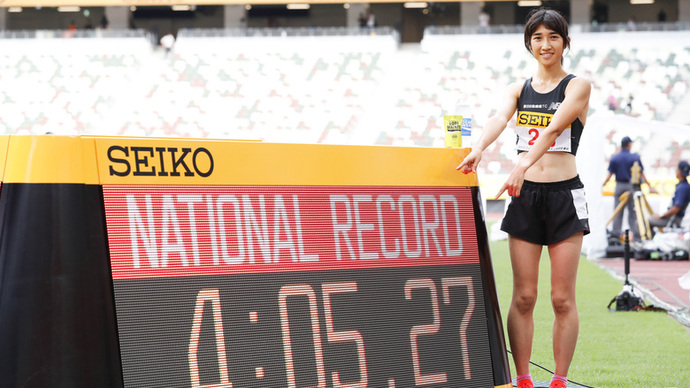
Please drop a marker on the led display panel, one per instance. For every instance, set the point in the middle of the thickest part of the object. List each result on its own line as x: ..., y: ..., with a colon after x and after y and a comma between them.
x: 297, y: 286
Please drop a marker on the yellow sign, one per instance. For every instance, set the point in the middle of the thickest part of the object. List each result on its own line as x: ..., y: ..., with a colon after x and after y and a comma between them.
x: 453, y: 129
x: 151, y: 161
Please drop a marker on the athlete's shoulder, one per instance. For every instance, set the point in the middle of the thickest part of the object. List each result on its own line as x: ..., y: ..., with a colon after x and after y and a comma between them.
x: 579, y: 83
x: 515, y: 88
x: 579, y: 87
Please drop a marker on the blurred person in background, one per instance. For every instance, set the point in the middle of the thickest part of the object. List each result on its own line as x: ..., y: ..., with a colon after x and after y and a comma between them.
x: 621, y: 165
x: 167, y: 41
x: 484, y: 20
x: 104, y: 22
x: 681, y: 197
x: 371, y: 19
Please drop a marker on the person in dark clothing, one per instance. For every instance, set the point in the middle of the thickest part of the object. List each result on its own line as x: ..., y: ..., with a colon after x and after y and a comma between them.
x: 621, y: 165
x: 681, y: 197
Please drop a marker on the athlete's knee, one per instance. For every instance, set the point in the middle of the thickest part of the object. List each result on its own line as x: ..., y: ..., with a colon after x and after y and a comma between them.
x: 524, y: 301
x: 563, y: 304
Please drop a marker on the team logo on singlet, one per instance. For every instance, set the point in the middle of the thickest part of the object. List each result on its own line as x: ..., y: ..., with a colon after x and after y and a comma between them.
x: 534, y: 106
x: 529, y: 127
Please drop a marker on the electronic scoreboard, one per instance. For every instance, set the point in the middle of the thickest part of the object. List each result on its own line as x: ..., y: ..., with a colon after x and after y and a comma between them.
x: 142, y: 262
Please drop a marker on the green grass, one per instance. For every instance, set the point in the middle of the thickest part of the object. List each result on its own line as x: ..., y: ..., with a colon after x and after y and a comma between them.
x: 614, y: 349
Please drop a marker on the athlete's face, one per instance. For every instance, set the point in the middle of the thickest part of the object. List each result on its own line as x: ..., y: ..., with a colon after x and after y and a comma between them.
x: 547, y: 46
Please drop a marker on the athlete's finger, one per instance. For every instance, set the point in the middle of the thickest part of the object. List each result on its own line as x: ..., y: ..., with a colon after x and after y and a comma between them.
x: 467, y: 161
x: 468, y: 168
x: 500, y: 192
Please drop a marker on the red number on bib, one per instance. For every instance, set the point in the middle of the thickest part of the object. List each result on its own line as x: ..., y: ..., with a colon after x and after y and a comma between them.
x: 535, y: 135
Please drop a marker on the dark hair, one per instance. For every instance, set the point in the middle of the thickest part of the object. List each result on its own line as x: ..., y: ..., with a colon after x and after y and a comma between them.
x: 550, y: 19
x: 684, y: 168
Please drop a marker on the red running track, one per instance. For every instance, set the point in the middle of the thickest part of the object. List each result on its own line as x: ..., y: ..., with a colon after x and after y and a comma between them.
x: 656, y: 276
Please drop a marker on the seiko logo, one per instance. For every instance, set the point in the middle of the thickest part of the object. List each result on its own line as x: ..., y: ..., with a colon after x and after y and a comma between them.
x: 160, y: 161
x: 539, y: 120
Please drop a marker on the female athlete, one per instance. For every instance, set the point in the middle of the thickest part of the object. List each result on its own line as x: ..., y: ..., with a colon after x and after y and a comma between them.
x: 547, y: 206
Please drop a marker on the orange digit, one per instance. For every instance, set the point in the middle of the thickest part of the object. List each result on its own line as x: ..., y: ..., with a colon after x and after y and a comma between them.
x: 212, y: 295
x: 446, y: 283
x: 419, y: 330
x: 344, y: 336
x: 301, y: 290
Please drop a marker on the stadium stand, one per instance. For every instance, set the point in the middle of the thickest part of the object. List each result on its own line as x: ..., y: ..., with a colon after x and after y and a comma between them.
x: 69, y: 86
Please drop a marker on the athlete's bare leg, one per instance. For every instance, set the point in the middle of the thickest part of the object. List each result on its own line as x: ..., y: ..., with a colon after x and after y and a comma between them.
x: 524, y: 257
x: 565, y: 257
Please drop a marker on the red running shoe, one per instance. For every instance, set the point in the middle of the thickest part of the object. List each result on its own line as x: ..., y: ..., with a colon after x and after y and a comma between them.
x: 557, y: 384
x: 526, y: 383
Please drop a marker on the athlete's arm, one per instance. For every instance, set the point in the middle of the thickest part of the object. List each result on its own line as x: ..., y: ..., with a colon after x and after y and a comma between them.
x: 493, y: 128
x: 574, y: 104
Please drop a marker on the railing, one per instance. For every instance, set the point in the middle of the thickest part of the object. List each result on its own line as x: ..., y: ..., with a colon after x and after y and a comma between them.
x: 459, y: 30
x: 282, y: 32
x: 59, y: 34
x: 330, y: 31
x: 644, y: 26
x: 518, y: 29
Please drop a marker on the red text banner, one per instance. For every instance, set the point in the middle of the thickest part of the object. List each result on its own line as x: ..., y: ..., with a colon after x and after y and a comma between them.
x: 167, y: 231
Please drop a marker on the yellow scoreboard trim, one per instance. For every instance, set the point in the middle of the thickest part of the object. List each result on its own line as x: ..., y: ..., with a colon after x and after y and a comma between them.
x: 4, y: 142
x: 146, y: 161
x: 50, y: 159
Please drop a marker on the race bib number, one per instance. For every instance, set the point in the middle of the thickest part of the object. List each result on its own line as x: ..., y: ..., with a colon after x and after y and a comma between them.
x: 530, y: 126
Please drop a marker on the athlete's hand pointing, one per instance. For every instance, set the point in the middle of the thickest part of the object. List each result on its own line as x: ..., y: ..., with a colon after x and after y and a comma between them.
x: 514, y: 182
x: 469, y: 164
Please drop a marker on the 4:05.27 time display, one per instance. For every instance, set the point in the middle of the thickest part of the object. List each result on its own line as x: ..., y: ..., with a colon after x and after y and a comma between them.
x: 392, y: 327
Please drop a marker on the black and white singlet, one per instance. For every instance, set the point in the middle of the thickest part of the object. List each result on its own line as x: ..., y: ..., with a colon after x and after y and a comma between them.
x: 535, y: 111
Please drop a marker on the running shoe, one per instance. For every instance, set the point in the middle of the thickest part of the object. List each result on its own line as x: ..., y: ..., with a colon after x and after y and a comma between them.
x: 525, y: 384
x: 557, y: 384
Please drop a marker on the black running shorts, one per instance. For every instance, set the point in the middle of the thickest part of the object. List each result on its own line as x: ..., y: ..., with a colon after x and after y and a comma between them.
x: 547, y: 212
